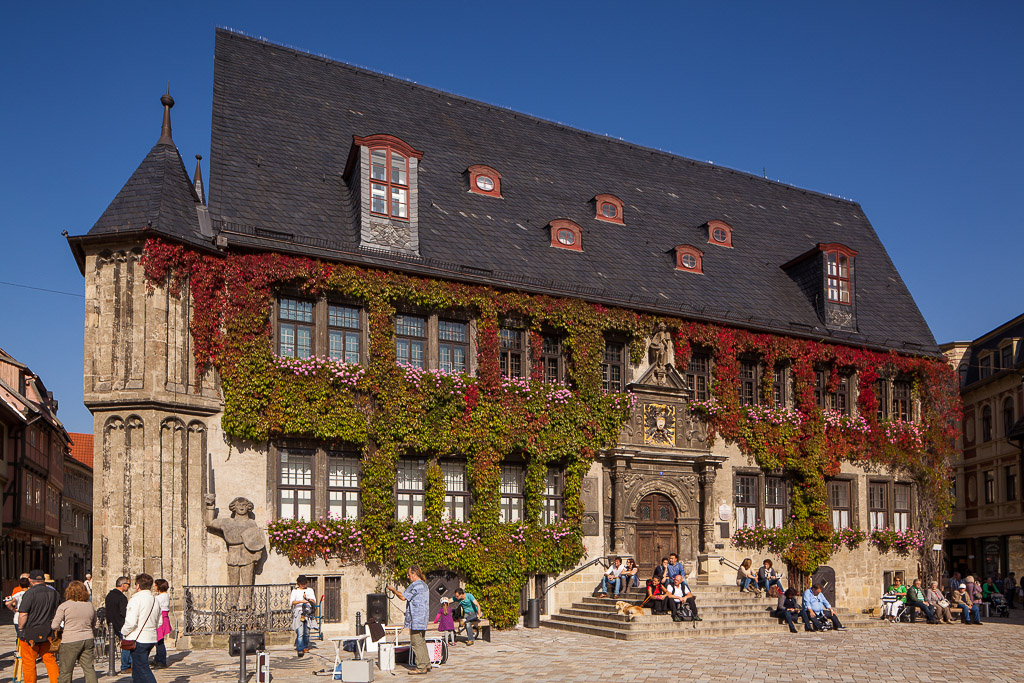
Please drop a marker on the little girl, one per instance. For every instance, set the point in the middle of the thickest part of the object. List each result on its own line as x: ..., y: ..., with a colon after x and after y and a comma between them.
x: 444, y: 621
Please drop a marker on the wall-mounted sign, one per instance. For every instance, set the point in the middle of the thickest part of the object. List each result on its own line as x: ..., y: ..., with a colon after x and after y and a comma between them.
x: 724, y: 512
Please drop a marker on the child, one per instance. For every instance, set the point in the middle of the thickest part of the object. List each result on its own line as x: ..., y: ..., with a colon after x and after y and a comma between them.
x: 444, y: 621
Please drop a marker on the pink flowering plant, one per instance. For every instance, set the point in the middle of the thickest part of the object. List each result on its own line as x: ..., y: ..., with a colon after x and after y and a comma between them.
x: 901, y: 542
x: 305, y: 541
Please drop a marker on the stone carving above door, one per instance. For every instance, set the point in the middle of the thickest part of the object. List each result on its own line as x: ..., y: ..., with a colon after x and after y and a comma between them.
x: 659, y: 424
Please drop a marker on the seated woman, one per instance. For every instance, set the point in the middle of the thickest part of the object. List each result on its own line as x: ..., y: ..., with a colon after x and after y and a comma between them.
x: 988, y: 589
x: 892, y: 607
x: 746, y: 579
x: 656, y: 594
x: 630, y: 575
x: 788, y: 608
x: 938, y: 602
x: 659, y: 571
x: 768, y: 577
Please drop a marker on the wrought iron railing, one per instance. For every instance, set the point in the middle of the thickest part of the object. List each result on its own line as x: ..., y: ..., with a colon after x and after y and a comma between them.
x: 226, y: 609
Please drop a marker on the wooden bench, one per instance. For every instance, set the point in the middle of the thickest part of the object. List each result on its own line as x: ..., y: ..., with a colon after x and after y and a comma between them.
x: 481, y: 626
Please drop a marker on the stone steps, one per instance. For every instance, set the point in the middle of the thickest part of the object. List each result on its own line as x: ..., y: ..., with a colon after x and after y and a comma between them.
x: 725, y: 611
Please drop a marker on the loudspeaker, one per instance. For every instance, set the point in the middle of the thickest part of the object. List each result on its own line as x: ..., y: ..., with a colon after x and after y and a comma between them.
x: 377, y: 607
x: 253, y: 643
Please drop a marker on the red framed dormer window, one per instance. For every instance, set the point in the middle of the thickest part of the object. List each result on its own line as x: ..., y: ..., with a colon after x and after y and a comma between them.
x: 689, y: 259
x: 389, y: 181
x: 566, y: 235
x: 484, y: 180
x: 838, y: 266
x: 719, y: 233
x: 609, y: 208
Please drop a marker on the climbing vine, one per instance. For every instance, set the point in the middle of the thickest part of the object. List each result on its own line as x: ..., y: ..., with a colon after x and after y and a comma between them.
x: 392, y: 411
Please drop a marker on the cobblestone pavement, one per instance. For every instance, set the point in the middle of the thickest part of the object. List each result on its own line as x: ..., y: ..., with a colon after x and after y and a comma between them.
x: 918, y: 652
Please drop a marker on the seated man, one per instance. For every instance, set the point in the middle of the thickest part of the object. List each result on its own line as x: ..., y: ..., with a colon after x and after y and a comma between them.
x: 816, y: 608
x: 612, y: 576
x: 470, y: 609
x: 969, y: 612
x: 674, y: 568
x: 789, y: 609
x: 679, y: 593
x: 917, y: 600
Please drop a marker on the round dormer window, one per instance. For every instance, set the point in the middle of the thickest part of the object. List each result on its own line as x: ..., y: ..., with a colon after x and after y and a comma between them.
x: 720, y: 235
x: 484, y: 183
x: 567, y: 237
x: 688, y: 261
x: 609, y: 210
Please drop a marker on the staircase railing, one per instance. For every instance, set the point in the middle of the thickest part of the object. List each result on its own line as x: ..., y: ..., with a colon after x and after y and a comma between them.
x: 722, y: 560
x: 604, y: 561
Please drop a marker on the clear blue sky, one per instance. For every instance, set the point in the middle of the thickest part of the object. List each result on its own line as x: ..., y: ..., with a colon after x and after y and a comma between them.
x: 914, y: 109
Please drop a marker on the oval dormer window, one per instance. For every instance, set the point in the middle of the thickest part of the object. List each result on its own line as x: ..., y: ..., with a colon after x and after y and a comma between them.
x: 485, y: 183
x: 688, y: 261
x: 567, y: 237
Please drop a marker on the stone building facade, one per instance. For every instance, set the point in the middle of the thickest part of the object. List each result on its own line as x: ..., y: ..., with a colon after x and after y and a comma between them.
x: 160, y: 446
x: 986, y: 532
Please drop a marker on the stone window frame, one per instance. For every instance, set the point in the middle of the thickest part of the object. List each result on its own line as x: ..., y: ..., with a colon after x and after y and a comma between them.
x: 851, y: 502
x: 321, y: 328
x: 610, y: 364
x: 760, y: 493
x: 320, y: 500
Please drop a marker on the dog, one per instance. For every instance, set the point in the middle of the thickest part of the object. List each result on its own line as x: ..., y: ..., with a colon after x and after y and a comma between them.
x: 631, y: 611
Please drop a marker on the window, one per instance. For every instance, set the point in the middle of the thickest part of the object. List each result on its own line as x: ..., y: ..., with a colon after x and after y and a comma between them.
x: 838, y: 281
x: 1006, y: 357
x: 343, y: 470
x: 551, y: 359
x: 453, y: 345
x: 1007, y: 416
x: 688, y: 259
x: 456, y: 496
x: 839, y: 501
x: 295, y: 328
x: 609, y: 208
x: 821, y: 388
x: 986, y: 423
x: 746, y: 500
x: 877, y: 508
x: 552, y: 496
x: 900, y: 400
x: 510, y: 352
x: 512, y: 499
x: 985, y: 364
x: 882, y: 394
x: 343, y: 333
x: 1010, y: 476
x: 698, y: 371
x: 484, y: 180
x: 613, y: 366
x: 990, y: 487
x: 779, y: 397
x: 839, y: 400
x: 901, y: 507
x: 410, y: 485
x: 410, y: 339
x: 389, y: 183
x: 566, y: 235
x: 774, y: 501
x: 295, y: 484
x: 719, y: 233
x: 749, y: 386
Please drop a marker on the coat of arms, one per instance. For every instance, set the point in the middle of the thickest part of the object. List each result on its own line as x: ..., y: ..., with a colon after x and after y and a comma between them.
x: 659, y: 424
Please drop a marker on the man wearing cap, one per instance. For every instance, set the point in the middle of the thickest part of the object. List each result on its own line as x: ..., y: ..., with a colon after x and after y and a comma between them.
x: 34, y: 616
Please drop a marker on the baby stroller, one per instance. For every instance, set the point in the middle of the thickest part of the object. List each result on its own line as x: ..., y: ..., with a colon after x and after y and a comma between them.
x: 1000, y: 605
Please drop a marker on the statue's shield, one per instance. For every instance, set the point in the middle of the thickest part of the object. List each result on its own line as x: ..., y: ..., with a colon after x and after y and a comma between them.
x: 253, y: 539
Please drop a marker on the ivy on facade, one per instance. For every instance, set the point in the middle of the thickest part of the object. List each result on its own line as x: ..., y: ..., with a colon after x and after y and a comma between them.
x: 392, y: 411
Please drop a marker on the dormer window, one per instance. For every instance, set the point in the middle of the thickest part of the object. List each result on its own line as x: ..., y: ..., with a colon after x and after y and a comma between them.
x: 837, y: 273
x: 384, y: 171
x: 566, y: 235
x: 609, y: 208
x: 484, y: 180
x: 719, y: 233
x: 689, y: 259
x: 389, y: 186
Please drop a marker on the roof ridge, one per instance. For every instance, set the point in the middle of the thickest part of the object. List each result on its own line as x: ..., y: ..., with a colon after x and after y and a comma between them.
x: 230, y: 32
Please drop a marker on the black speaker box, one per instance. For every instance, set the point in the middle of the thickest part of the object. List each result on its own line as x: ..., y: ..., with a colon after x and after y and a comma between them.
x: 377, y: 607
x: 253, y: 643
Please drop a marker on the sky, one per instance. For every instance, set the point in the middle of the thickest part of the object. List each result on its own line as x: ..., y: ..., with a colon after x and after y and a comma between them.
x: 913, y: 109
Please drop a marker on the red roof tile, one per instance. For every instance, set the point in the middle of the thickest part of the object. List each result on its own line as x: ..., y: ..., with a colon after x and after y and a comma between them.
x: 81, y: 447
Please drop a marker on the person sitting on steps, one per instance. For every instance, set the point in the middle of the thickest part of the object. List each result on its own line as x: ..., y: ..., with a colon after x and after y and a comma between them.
x: 678, y: 594
x: 612, y: 576
x: 673, y: 569
x: 816, y: 608
x: 656, y: 593
x: 789, y: 609
x: 768, y: 577
x: 746, y: 578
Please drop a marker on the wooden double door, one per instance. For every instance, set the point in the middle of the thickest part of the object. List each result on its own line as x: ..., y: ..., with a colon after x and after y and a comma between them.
x: 656, y: 532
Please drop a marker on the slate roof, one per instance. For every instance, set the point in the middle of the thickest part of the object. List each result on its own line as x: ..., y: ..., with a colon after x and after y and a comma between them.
x: 158, y: 196
x: 990, y: 342
x: 283, y: 123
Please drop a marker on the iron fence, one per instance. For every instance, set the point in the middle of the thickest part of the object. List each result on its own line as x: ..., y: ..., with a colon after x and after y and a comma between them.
x: 226, y: 609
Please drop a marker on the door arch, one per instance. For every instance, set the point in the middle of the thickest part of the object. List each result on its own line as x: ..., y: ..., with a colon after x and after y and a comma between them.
x: 656, y: 534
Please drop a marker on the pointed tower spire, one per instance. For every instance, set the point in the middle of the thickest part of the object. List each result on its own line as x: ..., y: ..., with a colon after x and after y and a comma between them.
x: 197, y: 180
x: 165, y: 130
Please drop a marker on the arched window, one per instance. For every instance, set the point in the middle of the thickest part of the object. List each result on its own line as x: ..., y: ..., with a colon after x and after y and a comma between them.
x: 1008, y: 417
x: 986, y: 423
x: 391, y: 177
x: 609, y: 208
x: 484, y: 180
x: 689, y: 259
x: 839, y: 266
x: 566, y: 235
x: 719, y: 233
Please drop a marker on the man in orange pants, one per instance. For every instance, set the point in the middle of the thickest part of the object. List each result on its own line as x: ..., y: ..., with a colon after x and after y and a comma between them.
x: 34, y: 617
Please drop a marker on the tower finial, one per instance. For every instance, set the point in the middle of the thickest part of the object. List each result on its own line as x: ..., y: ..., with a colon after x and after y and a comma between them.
x: 197, y: 180
x: 165, y: 129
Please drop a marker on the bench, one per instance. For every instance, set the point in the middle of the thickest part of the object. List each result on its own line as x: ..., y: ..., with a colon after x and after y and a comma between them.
x: 481, y: 626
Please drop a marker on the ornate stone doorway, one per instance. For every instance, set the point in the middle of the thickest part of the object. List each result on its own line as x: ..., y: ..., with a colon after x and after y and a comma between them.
x: 655, y: 531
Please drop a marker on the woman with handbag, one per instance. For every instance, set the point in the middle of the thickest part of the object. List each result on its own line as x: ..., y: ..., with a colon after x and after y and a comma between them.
x: 939, y: 603
x: 140, y: 625
x: 76, y: 645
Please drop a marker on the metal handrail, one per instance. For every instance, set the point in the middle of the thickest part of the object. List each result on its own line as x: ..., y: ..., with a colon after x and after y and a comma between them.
x: 603, y: 561
x: 722, y: 560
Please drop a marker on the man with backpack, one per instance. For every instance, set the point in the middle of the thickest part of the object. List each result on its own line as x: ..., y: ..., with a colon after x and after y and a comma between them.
x: 680, y: 600
x: 35, y: 614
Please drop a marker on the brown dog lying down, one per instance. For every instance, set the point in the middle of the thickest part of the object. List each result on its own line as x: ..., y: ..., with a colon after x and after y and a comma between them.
x: 631, y: 611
